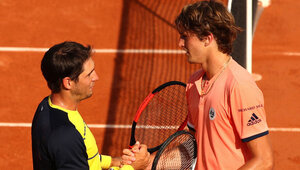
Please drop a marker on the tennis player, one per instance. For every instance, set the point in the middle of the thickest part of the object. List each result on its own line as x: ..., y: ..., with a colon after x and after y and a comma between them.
x: 60, y: 137
x: 226, y: 108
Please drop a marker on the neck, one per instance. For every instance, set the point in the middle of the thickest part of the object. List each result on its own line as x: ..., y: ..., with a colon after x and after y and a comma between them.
x: 63, y: 100
x: 214, y: 64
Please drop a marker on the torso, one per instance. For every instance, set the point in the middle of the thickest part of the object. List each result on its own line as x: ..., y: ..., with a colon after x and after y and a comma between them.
x: 213, y: 117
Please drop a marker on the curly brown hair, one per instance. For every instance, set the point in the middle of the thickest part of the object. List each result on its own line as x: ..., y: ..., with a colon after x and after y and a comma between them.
x: 209, y: 17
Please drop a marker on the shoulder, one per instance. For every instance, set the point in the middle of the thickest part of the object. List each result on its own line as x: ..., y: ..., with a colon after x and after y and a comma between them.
x: 48, y: 120
x: 56, y: 137
x: 238, y: 78
x: 239, y: 73
x: 42, y: 107
x: 241, y: 87
x: 65, y: 135
x: 41, y: 124
x: 45, y: 115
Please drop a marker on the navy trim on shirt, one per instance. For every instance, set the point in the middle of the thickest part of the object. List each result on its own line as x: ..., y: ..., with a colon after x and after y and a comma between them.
x: 255, y: 136
x: 94, y: 156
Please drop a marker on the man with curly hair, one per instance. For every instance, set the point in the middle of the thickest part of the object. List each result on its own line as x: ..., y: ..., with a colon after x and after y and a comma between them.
x: 226, y: 108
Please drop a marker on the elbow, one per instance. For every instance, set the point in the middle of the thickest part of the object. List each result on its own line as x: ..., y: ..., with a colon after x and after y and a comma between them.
x: 268, y: 162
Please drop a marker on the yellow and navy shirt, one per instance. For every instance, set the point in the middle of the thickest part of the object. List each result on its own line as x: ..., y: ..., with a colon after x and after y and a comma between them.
x: 62, y: 140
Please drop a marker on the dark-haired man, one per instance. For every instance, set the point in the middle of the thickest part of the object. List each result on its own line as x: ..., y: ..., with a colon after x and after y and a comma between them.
x: 60, y: 137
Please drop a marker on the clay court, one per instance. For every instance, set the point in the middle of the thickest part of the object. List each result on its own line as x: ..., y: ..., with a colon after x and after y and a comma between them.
x: 135, y: 51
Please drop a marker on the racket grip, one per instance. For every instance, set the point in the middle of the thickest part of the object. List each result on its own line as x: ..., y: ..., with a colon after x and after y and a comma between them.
x: 132, y: 138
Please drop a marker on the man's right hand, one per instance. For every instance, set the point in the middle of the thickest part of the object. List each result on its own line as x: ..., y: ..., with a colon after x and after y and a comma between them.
x: 142, y: 156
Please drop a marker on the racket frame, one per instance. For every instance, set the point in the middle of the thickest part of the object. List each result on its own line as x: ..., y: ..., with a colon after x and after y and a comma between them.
x: 144, y: 105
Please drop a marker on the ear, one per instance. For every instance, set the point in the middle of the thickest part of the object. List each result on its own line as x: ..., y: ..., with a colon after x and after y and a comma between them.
x: 67, y: 83
x: 208, y: 39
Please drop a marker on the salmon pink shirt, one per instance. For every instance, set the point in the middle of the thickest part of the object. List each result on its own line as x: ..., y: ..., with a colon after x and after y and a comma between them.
x: 230, y: 114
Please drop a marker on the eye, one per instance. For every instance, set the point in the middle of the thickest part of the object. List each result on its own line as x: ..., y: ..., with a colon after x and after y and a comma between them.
x: 89, y: 75
x: 183, y: 36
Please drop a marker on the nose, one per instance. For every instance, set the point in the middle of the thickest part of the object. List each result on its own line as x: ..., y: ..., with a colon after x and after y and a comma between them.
x: 95, y: 78
x: 181, y: 43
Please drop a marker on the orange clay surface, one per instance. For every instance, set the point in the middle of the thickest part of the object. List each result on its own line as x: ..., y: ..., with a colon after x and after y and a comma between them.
x: 126, y: 78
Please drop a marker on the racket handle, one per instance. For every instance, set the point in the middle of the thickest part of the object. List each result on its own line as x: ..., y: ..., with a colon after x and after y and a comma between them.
x: 132, y: 138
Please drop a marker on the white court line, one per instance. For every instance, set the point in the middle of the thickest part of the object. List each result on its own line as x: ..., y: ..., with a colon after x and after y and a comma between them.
x: 287, y: 53
x: 145, y: 51
x: 151, y: 51
x: 285, y: 129
x: 22, y: 49
x: 108, y: 126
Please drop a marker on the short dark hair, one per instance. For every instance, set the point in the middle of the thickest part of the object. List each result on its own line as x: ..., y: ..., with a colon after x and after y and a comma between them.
x: 64, y: 60
x: 206, y: 17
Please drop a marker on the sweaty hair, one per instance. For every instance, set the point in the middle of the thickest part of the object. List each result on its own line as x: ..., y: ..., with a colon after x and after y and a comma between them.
x: 64, y: 60
x: 209, y: 17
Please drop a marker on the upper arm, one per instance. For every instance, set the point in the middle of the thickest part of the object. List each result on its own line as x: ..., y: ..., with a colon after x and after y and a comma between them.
x: 260, y: 147
x: 247, y: 111
x: 249, y: 118
x: 261, y: 152
x: 67, y: 149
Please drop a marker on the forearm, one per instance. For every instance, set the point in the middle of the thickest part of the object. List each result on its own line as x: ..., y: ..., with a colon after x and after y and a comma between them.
x: 262, y: 155
x: 257, y: 164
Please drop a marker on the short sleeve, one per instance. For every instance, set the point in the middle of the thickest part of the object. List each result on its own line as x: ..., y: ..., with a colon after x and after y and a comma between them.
x: 105, y: 161
x: 247, y: 111
x: 67, y: 150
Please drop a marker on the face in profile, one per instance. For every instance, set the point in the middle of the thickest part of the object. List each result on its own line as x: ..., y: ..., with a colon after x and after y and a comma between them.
x: 193, y: 46
x: 86, y: 81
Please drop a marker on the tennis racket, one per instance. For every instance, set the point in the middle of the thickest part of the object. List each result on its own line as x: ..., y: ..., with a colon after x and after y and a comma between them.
x: 162, y: 113
x: 179, y: 151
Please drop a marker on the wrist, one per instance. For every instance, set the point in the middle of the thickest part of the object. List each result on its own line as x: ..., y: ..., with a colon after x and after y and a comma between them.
x: 116, y: 162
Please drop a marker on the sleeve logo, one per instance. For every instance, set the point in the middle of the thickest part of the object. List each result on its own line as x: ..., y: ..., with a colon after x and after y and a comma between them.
x: 253, y: 120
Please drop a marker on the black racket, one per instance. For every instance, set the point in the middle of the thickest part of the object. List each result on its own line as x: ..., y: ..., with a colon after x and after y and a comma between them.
x: 162, y: 113
x: 179, y: 151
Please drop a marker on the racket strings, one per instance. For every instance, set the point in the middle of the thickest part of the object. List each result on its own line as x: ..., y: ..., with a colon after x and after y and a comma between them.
x: 162, y: 116
x: 166, y: 104
x: 178, y: 154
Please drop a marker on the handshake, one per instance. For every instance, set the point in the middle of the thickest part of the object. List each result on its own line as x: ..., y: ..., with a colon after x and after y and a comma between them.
x: 138, y: 157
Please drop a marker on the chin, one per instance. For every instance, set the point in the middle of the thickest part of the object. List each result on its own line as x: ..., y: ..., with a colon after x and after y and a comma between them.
x: 192, y: 61
x: 86, y: 97
x: 89, y: 95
